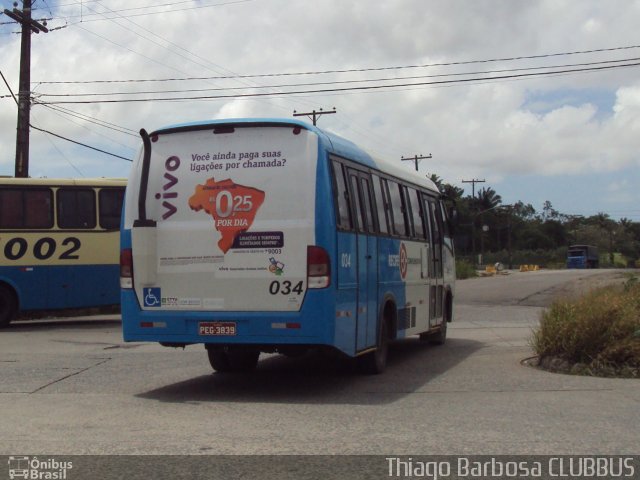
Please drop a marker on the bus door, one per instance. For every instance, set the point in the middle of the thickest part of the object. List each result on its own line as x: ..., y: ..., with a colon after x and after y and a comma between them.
x: 436, y: 283
x: 361, y: 194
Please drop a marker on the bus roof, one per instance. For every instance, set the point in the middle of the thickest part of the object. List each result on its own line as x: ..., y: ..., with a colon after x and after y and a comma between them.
x: 333, y: 142
x: 63, y: 182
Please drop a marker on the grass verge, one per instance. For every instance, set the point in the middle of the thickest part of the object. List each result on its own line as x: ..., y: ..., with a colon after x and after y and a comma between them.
x: 597, y: 334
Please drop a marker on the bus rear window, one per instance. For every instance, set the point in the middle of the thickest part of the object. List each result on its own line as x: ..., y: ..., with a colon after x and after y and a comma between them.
x: 26, y: 208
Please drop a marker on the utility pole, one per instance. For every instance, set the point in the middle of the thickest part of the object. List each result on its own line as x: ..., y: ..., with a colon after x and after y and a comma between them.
x: 313, y: 114
x: 24, y: 92
x: 473, y: 185
x: 473, y: 224
x: 416, y: 159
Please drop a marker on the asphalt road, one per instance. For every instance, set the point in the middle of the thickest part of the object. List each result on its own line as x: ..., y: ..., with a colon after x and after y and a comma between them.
x: 73, y: 387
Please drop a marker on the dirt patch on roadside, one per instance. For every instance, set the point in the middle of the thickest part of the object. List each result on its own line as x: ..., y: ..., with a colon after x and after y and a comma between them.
x: 580, y: 286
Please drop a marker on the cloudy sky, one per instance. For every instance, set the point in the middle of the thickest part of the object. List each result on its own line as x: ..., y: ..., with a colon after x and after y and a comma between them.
x: 539, y: 98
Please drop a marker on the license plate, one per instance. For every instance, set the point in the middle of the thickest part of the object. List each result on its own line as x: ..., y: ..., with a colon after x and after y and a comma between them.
x: 217, y: 328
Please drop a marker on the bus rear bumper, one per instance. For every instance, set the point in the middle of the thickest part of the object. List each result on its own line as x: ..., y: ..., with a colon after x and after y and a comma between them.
x: 269, y: 331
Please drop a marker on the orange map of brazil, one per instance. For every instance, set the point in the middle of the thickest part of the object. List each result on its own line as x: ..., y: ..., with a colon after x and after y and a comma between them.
x: 233, y: 207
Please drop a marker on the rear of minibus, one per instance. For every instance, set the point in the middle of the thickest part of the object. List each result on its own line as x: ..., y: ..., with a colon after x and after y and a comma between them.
x: 224, y: 238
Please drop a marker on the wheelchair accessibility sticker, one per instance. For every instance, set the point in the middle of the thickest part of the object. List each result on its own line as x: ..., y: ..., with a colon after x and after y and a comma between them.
x: 152, y: 297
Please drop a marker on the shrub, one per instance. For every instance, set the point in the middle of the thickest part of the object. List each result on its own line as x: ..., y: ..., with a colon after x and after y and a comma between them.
x: 600, y: 330
x: 465, y: 269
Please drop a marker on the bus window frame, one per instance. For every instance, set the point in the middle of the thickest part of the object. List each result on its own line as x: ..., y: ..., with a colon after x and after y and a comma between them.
x: 336, y: 162
x: 121, y: 191
x: 363, y: 210
x: 414, y: 201
x: 23, y: 190
x: 384, y: 204
x: 76, y: 190
x: 380, y: 204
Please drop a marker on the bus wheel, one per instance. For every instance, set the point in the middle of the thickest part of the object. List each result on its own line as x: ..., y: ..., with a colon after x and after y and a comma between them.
x: 440, y: 337
x: 219, y: 360
x: 244, y: 360
x: 223, y: 360
x: 7, y: 306
x: 374, y: 363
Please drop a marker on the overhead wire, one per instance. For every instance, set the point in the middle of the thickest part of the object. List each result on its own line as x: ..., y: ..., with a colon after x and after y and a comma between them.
x: 84, y: 18
x: 351, y: 70
x: 62, y: 115
x: 216, y: 68
x: 352, y: 89
x: 340, y: 82
x: 87, y: 118
x: 80, y: 143
x: 58, y: 150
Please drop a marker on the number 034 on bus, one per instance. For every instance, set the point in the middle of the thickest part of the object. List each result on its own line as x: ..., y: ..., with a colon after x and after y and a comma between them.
x: 271, y: 235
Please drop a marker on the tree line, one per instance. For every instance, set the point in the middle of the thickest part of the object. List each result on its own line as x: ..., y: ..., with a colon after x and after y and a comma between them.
x: 518, y: 233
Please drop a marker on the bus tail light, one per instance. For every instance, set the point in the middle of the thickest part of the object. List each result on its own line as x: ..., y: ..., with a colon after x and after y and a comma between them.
x: 318, y: 267
x: 126, y: 268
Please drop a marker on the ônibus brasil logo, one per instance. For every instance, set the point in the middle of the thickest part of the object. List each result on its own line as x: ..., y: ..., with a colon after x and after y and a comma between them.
x: 36, y: 468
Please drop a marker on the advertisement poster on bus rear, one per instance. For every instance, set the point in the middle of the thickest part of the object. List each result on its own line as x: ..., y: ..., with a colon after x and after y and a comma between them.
x: 236, y: 205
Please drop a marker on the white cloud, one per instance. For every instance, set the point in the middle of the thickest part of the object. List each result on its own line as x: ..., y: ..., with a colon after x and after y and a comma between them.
x: 471, y: 129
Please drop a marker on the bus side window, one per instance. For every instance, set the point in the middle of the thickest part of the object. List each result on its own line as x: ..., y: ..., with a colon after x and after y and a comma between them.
x: 427, y: 217
x: 357, y: 207
x: 445, y: 220
x: 26, y: 208
x: 437, y: 225
x: 380, y: 205
x: 110, y: 207
x: 416, y: 213
x: 367, y: 204
x: 399, y: 219
x: 341, y: 197
x: 76, y: 208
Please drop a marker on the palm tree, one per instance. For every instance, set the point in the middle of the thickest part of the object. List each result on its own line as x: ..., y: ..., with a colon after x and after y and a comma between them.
x: 487, y: 199
x: 452, y: 192
x: 437, y: 180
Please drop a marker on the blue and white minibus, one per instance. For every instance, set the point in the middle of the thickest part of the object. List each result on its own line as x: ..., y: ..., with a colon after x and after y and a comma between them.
x: 272, y: 235
x: 59, y: 243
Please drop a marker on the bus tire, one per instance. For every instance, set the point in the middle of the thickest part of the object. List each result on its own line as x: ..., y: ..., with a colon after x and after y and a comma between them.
x: 374, y: 363
x: 8, y: 306
x: 224, y: 360
x: 244, y: 360
x: 219, y: 360
x: 440, y: 337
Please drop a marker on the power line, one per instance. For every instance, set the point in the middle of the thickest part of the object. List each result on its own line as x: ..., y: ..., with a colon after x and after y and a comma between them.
x: 352, y: 89
x: 87, y: 118
x: 63, y: 155
x: 8, y: 87
x: 336, y: 82
x: 81, y: 125
x: 84, y: 19
x: 163, y: 46
x: 353, y: 70
x: 113, y: 20
x: 80, y: 143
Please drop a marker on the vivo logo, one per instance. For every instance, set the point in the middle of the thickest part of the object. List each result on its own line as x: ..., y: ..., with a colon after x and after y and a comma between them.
x: 168, y: 196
